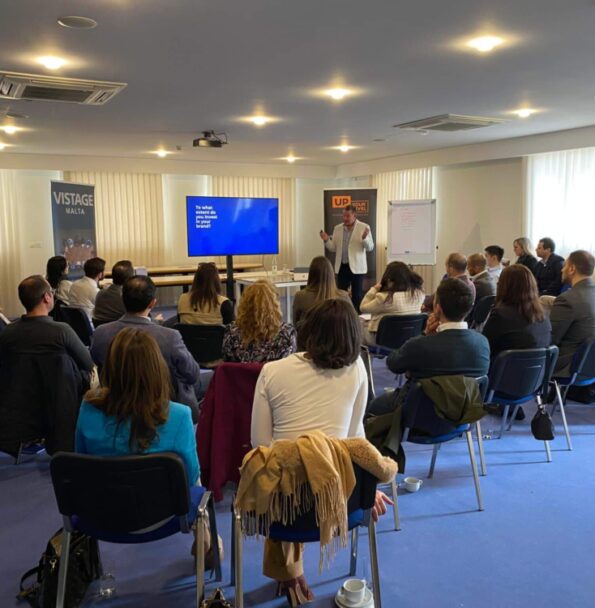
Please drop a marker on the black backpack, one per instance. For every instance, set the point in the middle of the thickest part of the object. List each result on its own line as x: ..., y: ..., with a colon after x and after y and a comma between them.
x: 84, y: 566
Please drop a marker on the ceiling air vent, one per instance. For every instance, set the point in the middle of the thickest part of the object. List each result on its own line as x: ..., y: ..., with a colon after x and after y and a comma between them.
x: 50, y: 88
x: 449, y: 122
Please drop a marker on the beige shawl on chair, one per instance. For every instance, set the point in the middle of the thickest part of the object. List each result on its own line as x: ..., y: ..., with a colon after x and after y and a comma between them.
x: 283, y: 481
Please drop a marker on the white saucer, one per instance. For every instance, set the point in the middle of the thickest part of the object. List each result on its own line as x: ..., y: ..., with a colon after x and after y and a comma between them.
x: 368, y: 601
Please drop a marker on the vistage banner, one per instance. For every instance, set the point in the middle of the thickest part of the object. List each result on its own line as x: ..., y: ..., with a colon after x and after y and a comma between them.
x: 73, y: 220
x: 364, y: 201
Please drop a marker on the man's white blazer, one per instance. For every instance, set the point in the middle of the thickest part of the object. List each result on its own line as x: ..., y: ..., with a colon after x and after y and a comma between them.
x: 358, y: 247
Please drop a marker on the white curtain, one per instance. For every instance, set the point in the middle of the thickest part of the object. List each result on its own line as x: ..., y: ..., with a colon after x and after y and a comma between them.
x: 409, y: 184
x: 128, y: 215
x: 561, y: 199
x: 10, y: 262
x: 266, y: 187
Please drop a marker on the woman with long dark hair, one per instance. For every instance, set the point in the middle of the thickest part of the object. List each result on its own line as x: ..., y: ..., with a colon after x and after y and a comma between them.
x: 204, y: 304
x: 56, y: 275
x: 400, y: 292
x: 321, y: 286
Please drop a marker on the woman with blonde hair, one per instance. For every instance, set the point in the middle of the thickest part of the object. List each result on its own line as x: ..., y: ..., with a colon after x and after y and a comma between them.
x: 523, y: 249
x: 204, y: 304
x: 131, y: 413
x: 259, y: 333
x: 321, y: 286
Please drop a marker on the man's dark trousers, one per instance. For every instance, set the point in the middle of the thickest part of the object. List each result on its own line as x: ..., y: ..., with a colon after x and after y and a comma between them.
x: 346, y: 278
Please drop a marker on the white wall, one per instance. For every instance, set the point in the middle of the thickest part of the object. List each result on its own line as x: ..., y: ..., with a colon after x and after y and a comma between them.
x: 479, y: 204
x: 310, y: 213
x: 35, y: 220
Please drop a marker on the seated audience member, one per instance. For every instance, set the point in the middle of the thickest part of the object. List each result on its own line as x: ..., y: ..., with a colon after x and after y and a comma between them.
x: 524, y: 252
x: 132, y: 413
x: 204, y: 304
x: 456, y: 268
x: 484, y: 281
x: 56, y: 275
x: 494, y: 255
x: 321, y: 286
x: 517, y: 319
x: 84, y: 291
x: 548, y: 271
x: 573, y: 312
x: 139, y: 297
x: 324, y: 388
x: 259, y: 333
x: 398, y: 293
x: 448, y: 348
x: 44, y: 369
x: 108, y: 303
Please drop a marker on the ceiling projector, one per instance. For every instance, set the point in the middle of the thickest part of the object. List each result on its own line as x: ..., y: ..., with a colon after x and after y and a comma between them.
x: 210, y: 139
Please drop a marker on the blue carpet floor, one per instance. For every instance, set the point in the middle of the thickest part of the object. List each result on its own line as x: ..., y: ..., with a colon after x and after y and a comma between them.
x: 532, y: 546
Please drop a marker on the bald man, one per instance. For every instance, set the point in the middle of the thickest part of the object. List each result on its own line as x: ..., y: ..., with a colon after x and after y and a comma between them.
x: 456, y: 268
x: 484, y: 281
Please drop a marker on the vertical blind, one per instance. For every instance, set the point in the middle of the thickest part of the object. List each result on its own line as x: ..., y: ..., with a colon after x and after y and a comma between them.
x: 266, y: 187
x: 561, y: 199
x: 128, y: 215
x: 409, y: 184
x: 10, y: 262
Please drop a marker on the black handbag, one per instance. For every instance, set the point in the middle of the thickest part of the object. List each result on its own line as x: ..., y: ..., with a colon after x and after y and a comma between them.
x: 542, y: 426
x: 84, y: 566
x: 217, y: 600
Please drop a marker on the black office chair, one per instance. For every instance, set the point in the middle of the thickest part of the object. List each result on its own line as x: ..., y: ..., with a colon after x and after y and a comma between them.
x: 79, y: 321
x: 481, y: 311
x: 304, y: 529
x: 205, y: 342
x: 56, y: 313
x: 393, y: 331
x: 582, y: 373
x: 109, y: 498
x: 422, y: 425
x: 520, y: 376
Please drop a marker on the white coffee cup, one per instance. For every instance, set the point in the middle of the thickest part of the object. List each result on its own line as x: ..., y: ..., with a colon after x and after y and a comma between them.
x: 354, y: 591
x: 412, y: 484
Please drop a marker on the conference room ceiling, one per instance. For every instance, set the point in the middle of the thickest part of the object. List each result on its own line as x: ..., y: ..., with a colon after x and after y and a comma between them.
x: 193, y: 65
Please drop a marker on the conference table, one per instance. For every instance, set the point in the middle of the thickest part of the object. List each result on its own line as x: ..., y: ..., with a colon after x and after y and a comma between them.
x: 157, y: 271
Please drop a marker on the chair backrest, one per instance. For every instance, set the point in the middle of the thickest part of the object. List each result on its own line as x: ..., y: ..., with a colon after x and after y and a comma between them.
x: 362, y: 497
x: 395, y: 330
x: 79, y: 321
x: 482, y: 309
x: 419, y: 413
x: 583, y: 362
x: 56, y: 313
x: 520, y: 373
x: 120, y: 494
x: 205, y: 342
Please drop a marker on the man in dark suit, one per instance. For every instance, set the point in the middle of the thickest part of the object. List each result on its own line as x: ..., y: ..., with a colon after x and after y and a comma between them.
x: 109, y: 305
x: 573, y: 312
x: 548, y: 271
x: 448, y: 348
x: 484, y: 281
x: 138, y: 295
x: 44, y: 370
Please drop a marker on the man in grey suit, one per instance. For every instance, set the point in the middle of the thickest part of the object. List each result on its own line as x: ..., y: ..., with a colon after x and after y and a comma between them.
x: 484, y: 281
x: 108, y: 303
x: 138, y: 295
x: 573, y: 312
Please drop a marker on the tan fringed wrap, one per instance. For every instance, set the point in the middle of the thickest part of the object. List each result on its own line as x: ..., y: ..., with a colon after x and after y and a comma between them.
x: 281, y: 482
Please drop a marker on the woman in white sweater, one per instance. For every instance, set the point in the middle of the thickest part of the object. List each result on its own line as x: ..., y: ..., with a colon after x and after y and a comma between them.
x: 398, y: 293
x: 324, y: 388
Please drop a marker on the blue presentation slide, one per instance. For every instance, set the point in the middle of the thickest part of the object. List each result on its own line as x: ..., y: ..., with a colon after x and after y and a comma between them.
x: 219, y: 225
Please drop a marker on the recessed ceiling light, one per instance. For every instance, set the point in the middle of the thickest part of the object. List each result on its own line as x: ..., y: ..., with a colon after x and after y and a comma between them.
x: 338, y: 93
x: 344, y: 147
x: 2, y: 146
x: 290, y: 158
x: 524, y: 112
x: 9, y: 129
x: 52, y: 62
x: 485, y: 44
x: 78, y: 23
x: 162, y: 153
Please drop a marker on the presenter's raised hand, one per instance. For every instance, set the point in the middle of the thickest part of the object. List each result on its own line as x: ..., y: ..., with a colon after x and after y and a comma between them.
x: 324, y: 236
x: 365, y: 234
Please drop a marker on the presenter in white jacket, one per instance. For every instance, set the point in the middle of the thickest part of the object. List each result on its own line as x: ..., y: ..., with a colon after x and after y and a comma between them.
x: 351, y: 241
